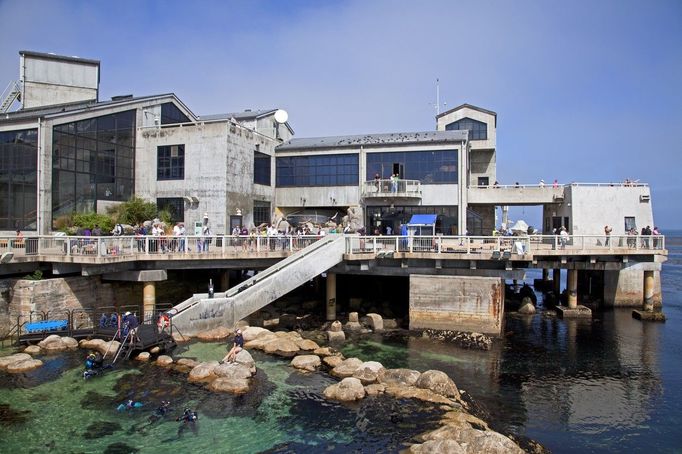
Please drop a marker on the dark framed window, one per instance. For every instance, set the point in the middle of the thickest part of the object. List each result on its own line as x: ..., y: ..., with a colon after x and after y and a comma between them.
x: 174, y: 205
x: 477, y: 129
x: 92, y: 159
x: 170, y: 114
x: 630, y: 223
x: 261, y: 168
x: 261, y: 212
x: 18, y: 183
x: 170, y: 162
x: 318, y: 170
x: 429, y: 167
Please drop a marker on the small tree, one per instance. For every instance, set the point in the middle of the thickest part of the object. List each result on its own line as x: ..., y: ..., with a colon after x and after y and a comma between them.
x: 89, y: 220
x: 135, y: 211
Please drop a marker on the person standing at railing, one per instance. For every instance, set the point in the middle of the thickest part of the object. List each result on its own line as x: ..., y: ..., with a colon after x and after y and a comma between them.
x: 377, y: 181
x: 394, y: 183
x: 542, y: 183
x: 646, y: 233
x: 555, y: 184
x: 656, y: 233
x: 563, y: 237
x: 607, y: 232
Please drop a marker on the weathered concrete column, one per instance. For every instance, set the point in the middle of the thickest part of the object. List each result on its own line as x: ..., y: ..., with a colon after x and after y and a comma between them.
x: 225, y: 281
x: 331, y: 296
x: 572, y: 288
x: 149, y: 298
x: 556, y: 277
x: 648, y: 291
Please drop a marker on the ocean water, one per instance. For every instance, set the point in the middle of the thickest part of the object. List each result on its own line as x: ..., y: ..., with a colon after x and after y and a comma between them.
x: 610, y: 384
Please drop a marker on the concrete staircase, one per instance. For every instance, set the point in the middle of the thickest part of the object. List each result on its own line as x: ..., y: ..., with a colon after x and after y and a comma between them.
x: 200, y: 313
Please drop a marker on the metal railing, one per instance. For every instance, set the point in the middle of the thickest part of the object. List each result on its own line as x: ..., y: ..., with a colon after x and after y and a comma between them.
x: 142, y: 246
x: 550, y: 185
x: 392, y: 188
x: 519, y: 245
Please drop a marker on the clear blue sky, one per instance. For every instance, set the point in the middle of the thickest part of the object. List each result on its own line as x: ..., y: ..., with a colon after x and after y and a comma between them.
x: 585, y: 91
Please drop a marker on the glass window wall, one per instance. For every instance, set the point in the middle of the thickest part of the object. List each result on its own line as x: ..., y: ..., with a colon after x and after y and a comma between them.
x: 170, y: 162
x: 261, y: 168
x: 18, y: 179
x: 319, y: 170
x: 429, y: 167
x: 477, y: 129
x: 170, y: 114
x: 92, y: 160
x: 261, y: 212
x: 174, y: 205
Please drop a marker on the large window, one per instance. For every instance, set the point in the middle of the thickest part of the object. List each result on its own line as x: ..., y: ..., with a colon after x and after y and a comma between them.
x: 92, y: 160
x: 430, y: 167
x: 18, y: 183
x: 170, y: 162
x: 320, y: 170
x: 170, y: 114
x: 261, y: 212
x: 477, y: 129
x: 174, y: 205
x: 261, y: 168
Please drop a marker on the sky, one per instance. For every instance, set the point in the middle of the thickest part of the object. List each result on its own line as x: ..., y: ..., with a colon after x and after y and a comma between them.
x: 585, y: 91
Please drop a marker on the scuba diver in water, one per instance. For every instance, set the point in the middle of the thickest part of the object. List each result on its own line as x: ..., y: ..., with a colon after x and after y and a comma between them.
x: 189, y: 419
x: 94, y: 364
x: 129, y: 405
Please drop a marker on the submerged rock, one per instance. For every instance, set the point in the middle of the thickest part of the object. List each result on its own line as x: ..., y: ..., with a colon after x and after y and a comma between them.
x: 32, y: 350
x: 100, y: 429
x: 164, y: 361
x: 10, y: 416
x: 349, y: 389
x: 24, y: 366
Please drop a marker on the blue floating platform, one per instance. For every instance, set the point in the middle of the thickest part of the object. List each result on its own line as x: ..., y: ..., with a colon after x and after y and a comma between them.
x: 45, y: 326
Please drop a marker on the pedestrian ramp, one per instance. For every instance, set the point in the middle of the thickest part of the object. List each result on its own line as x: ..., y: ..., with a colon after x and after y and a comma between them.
x: 201, y: 313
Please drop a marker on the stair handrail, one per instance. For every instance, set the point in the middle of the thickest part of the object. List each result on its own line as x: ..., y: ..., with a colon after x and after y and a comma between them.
x: 9, y: 95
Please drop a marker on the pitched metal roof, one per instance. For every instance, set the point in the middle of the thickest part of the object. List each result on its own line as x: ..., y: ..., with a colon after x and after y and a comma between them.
x: 78, y: 107
x: 467, y: 106
x: 374, y: 140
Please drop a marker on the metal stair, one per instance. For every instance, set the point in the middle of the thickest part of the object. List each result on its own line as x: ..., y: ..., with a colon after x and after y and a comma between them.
x: 12, y: 93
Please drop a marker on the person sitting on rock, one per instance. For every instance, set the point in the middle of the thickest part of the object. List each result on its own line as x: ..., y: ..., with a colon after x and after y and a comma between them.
x: 237, y: 346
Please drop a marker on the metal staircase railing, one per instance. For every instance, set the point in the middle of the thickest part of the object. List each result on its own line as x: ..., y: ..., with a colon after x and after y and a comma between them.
x: 11, y: 94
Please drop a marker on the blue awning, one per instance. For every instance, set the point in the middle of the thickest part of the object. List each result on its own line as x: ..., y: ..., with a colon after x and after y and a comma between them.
x: 423, y: 219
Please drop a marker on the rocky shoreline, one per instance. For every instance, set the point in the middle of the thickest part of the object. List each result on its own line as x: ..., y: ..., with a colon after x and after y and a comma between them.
x: 460, y: 430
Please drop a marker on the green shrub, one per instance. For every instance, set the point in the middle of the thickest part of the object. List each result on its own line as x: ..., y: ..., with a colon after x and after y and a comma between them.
x: 89, y: 220
x: 135, y: 211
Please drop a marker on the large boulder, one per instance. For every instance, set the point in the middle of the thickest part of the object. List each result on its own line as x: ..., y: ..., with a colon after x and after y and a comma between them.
x: 281, y: 346
x: 143, y: 356
x: 203, y: 372
x: 306, y: 344
x: 52, y: 343
x: 5, y: 361
x: 252, y: 332
x: 412, y: 392
x: 188, y: 362
x: 23, y: 366
x: 245, y: 359
x: 438, y: 447
x: 349, y: 389
x: 232, y: 371
x: 100, y: 345
x: 261, y: 340
x: 438, y: 382
x: 374, y: 321
x: 229, y: 385
x: 347, y: 368
x: 375, y: 388
x: 475, y: 440
x: 164, y: 361
x: 368, y: 372
x: 332, y: 361
x: 325, y: 351
x: 32, y: 350
x: 181, y: 338
x: 70, y: 342
x: 306, y: 362
x: 214, y: 334
x: 406, y: 377
x: 527, y: 307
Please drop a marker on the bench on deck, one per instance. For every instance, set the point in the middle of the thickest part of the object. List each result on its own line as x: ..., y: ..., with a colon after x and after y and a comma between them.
x: 45, y: 326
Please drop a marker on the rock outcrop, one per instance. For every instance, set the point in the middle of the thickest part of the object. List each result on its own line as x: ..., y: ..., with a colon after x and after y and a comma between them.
x: 346, y: 368
x: 215, y: 334
x: 368, y: 372
x: 438, y: 382
x: 306, y: 362
x: 349, y: 389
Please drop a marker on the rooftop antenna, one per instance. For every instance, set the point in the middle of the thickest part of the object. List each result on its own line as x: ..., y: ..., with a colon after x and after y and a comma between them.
x: 437, y: 104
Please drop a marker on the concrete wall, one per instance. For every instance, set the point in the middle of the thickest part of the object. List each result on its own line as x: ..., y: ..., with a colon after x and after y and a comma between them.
x: 593, y: 207
x: 465, y: 112
x: 472, y: 304
x: 21, y: 296
x: 49, y: 81
x: 625, y: 288
x: 218, y: 171
x: 482, y: 163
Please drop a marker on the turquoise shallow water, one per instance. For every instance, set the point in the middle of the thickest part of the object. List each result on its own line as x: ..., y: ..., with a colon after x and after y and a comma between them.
x: 54, y: 409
